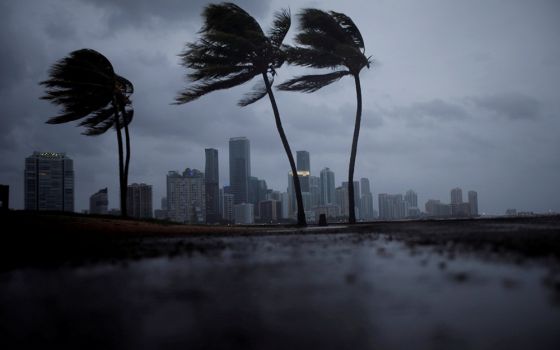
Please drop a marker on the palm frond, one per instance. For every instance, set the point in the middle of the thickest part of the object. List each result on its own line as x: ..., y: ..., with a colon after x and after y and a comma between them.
x: 229, y: 18
x: 259, y: 91
x: 312, y: 83
x: 306, y: 57
x: 280, y: 27
x: 349, y: 27
x: 197, y: 90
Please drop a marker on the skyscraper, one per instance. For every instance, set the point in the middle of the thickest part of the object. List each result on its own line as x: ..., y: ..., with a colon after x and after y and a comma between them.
x: 411, y: 198
x: 49, y: 182
x: 327, y: 187
x: 456, y: 196
x: 139, y: 201
x: 98, y: 202
x: 366, y: 201
x: 303, y: 161
x: 185, y: 196
x: 239, y: 168
x: 456, y: 200
x: 473, y: 203
x: 212, y: 186
x: 364, y: 184
x: 391, y: 206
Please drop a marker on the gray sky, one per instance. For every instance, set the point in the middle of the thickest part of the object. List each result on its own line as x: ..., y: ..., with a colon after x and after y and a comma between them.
x: 463, y: 93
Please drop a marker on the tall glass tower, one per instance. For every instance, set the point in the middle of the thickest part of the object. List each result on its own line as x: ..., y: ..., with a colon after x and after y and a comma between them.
x: 49, y: 182
x: 211, y: 186
x: 239, y: 168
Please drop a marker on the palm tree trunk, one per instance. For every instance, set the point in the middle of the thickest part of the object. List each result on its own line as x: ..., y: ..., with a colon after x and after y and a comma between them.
x: 121, y: 167
x: 127, y: 145
x: 301, y: 213
x: 351, y: 204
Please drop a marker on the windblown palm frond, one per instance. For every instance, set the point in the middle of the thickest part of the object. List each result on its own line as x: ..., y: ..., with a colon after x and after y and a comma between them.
x: 280, y: 27
x: 312, y: 83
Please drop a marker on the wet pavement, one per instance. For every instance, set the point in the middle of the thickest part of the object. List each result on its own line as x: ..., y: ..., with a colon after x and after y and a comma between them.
x: 327, y: 291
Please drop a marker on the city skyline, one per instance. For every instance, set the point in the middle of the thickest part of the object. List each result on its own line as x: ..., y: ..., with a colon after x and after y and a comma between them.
x: 458, y: 95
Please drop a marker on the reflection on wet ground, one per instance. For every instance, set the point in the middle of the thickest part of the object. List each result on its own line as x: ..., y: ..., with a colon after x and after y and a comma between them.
x: 328, y: 291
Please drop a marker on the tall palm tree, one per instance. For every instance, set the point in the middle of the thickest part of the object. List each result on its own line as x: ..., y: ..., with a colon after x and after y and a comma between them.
x: 87, y: 88
x: 232, y: 50
x: 330, y: 40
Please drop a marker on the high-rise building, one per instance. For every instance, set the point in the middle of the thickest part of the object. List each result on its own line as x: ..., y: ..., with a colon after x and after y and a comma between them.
x: 315, y: 191
x: 456, y: 196
x: 270, y: 210
x: 211, y: 186
x: 411, y: 198
x: 139, y: 201
x: 303, y: 161
x: 228, y: 213
x: 99, y: 202
x: 341, y: 200
x: 366, y: 201
x: 473, y: 203
x: 364, y: 185
x: 327, y: 187
x: 239, y: 168
x: 49, y: 182
x: 435, y: 208
x: 391, y: 206
x: 186, y: 196
x: 244, y: 214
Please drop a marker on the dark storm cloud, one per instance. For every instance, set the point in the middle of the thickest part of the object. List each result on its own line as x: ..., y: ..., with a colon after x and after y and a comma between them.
x: 513, y: 106
x: 146, y: 13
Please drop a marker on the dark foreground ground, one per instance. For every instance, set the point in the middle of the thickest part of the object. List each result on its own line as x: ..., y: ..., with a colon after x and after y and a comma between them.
x: 78, y: 282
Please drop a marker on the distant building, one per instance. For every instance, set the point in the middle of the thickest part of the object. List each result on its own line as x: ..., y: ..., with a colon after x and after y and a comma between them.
x: 4, y: 197
x: 511, y: 212
x: 391, y: 206
x: 303, y: 161
x: 330, y: 210
x: 271, y: 210
x: 411, y: 204
x: 341, y: 200
x: 161, y: 214
x: 212, y: 186
x: 228, y: 213
x: 244, y: 214
x: 435, y: 208
x: 285, y: 199
x: 49, y: 182
x: 239, y: 168
x: 327, y: 187
x: 139, y: 201
x: 456, y: 200
x: 366, y: 201
x: 314, y: 191
x: 99, y: 202
x: 473, y: 203
x: 186, y: 196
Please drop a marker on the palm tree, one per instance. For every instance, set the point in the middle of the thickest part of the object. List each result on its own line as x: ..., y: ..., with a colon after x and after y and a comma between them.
x: 330, y: 40
x: 232, y: 50
x: 87, y: 88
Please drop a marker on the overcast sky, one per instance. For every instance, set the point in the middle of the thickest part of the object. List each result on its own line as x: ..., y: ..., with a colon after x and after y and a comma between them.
x: 462, y: 93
